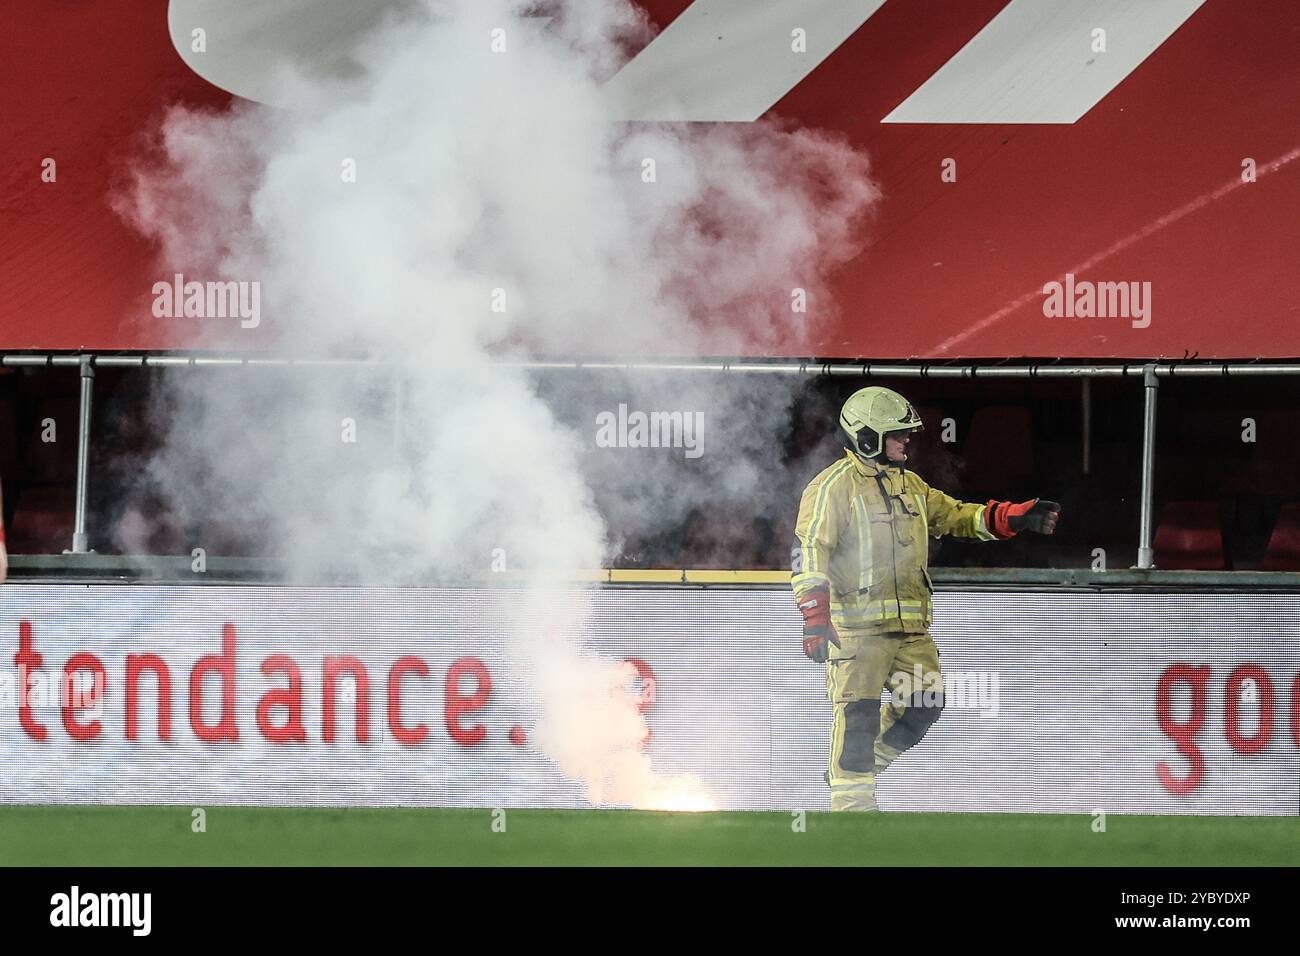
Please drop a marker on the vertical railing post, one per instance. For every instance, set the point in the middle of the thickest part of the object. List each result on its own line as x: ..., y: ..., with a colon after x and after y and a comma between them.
x: 80, y: 539
x: 1151, y: 390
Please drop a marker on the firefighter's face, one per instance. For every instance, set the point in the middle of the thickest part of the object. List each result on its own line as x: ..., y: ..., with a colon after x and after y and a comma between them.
x: 896, y: 446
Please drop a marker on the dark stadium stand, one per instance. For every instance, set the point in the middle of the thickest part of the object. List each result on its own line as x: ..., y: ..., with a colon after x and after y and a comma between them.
x: 45, y: 460
x: 1189, y: 537
x: 42, y: 521
x: 8, y: 438
x: 1283, y: 552
x: 1273, y: 459
x: 1221, y: 503
x: 999, y: 448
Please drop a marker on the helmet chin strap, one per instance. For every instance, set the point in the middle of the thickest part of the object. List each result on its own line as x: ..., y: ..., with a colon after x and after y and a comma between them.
x: 880, y: 458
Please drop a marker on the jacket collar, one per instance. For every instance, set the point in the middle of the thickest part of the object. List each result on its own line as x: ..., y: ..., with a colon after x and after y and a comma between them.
x: 869, y: 468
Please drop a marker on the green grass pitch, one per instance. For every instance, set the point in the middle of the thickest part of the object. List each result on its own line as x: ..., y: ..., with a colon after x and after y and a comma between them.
x: 245, y: 836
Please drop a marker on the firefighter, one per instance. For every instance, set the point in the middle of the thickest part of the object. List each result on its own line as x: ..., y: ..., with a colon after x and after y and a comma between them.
x: 860, y: 580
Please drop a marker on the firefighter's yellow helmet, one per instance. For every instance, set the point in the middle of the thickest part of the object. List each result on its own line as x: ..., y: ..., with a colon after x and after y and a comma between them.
x: 873, y: 412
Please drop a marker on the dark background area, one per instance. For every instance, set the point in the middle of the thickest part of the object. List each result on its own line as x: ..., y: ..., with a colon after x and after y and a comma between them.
x: 1222, y: 502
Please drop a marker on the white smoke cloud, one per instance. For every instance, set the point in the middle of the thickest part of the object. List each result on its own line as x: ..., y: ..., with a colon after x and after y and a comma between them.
x: 477, y: 174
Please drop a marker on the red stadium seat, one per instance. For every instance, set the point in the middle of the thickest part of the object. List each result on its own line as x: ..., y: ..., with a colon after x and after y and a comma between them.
x: 1273, y: 467
x: 999, y: 449
x: 43, y: 521
x: 1284, y: 546
x: 1188, y: 537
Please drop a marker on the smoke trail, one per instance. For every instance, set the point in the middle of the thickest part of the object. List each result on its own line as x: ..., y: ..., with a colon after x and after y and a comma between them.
x: 465, y: 197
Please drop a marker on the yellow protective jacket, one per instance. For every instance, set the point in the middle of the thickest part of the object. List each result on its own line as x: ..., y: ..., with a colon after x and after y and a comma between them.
x: 862, y: 530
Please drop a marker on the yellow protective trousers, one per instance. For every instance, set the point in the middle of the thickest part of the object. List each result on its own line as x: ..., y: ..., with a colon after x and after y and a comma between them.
x: 867, y: 735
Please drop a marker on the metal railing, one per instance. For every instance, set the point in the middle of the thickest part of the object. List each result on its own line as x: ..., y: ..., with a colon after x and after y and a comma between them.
x: 1150, y: 372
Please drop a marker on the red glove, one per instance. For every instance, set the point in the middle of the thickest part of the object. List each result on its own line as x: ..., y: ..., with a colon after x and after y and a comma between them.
x: 818, y: 631
x: 1005, y: 519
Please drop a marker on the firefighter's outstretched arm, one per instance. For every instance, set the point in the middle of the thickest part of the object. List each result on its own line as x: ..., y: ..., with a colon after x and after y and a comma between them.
x: 989, y: 522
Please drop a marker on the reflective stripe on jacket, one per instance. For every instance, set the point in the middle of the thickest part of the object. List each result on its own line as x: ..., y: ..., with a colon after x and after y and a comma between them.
x: 862, y: 529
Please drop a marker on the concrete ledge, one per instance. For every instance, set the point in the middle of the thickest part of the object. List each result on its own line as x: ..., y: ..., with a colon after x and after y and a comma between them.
x: 93, y: 568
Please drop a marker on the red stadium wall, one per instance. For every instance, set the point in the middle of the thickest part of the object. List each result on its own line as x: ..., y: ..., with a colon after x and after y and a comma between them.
x: 1145, y: 187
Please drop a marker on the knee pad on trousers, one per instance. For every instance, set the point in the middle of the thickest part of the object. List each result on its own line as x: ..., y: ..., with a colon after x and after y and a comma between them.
x: 861, y: 726
x: 915, y: 722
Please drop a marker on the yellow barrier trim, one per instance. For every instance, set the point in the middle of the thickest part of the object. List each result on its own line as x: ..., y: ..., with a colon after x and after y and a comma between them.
x: 643, y: 576
x: 737, y: 577
x: 633, y: 576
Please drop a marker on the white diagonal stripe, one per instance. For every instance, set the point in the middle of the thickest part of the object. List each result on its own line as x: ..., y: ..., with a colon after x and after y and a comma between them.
x: 1034, y: 62
x: 731, y: 60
